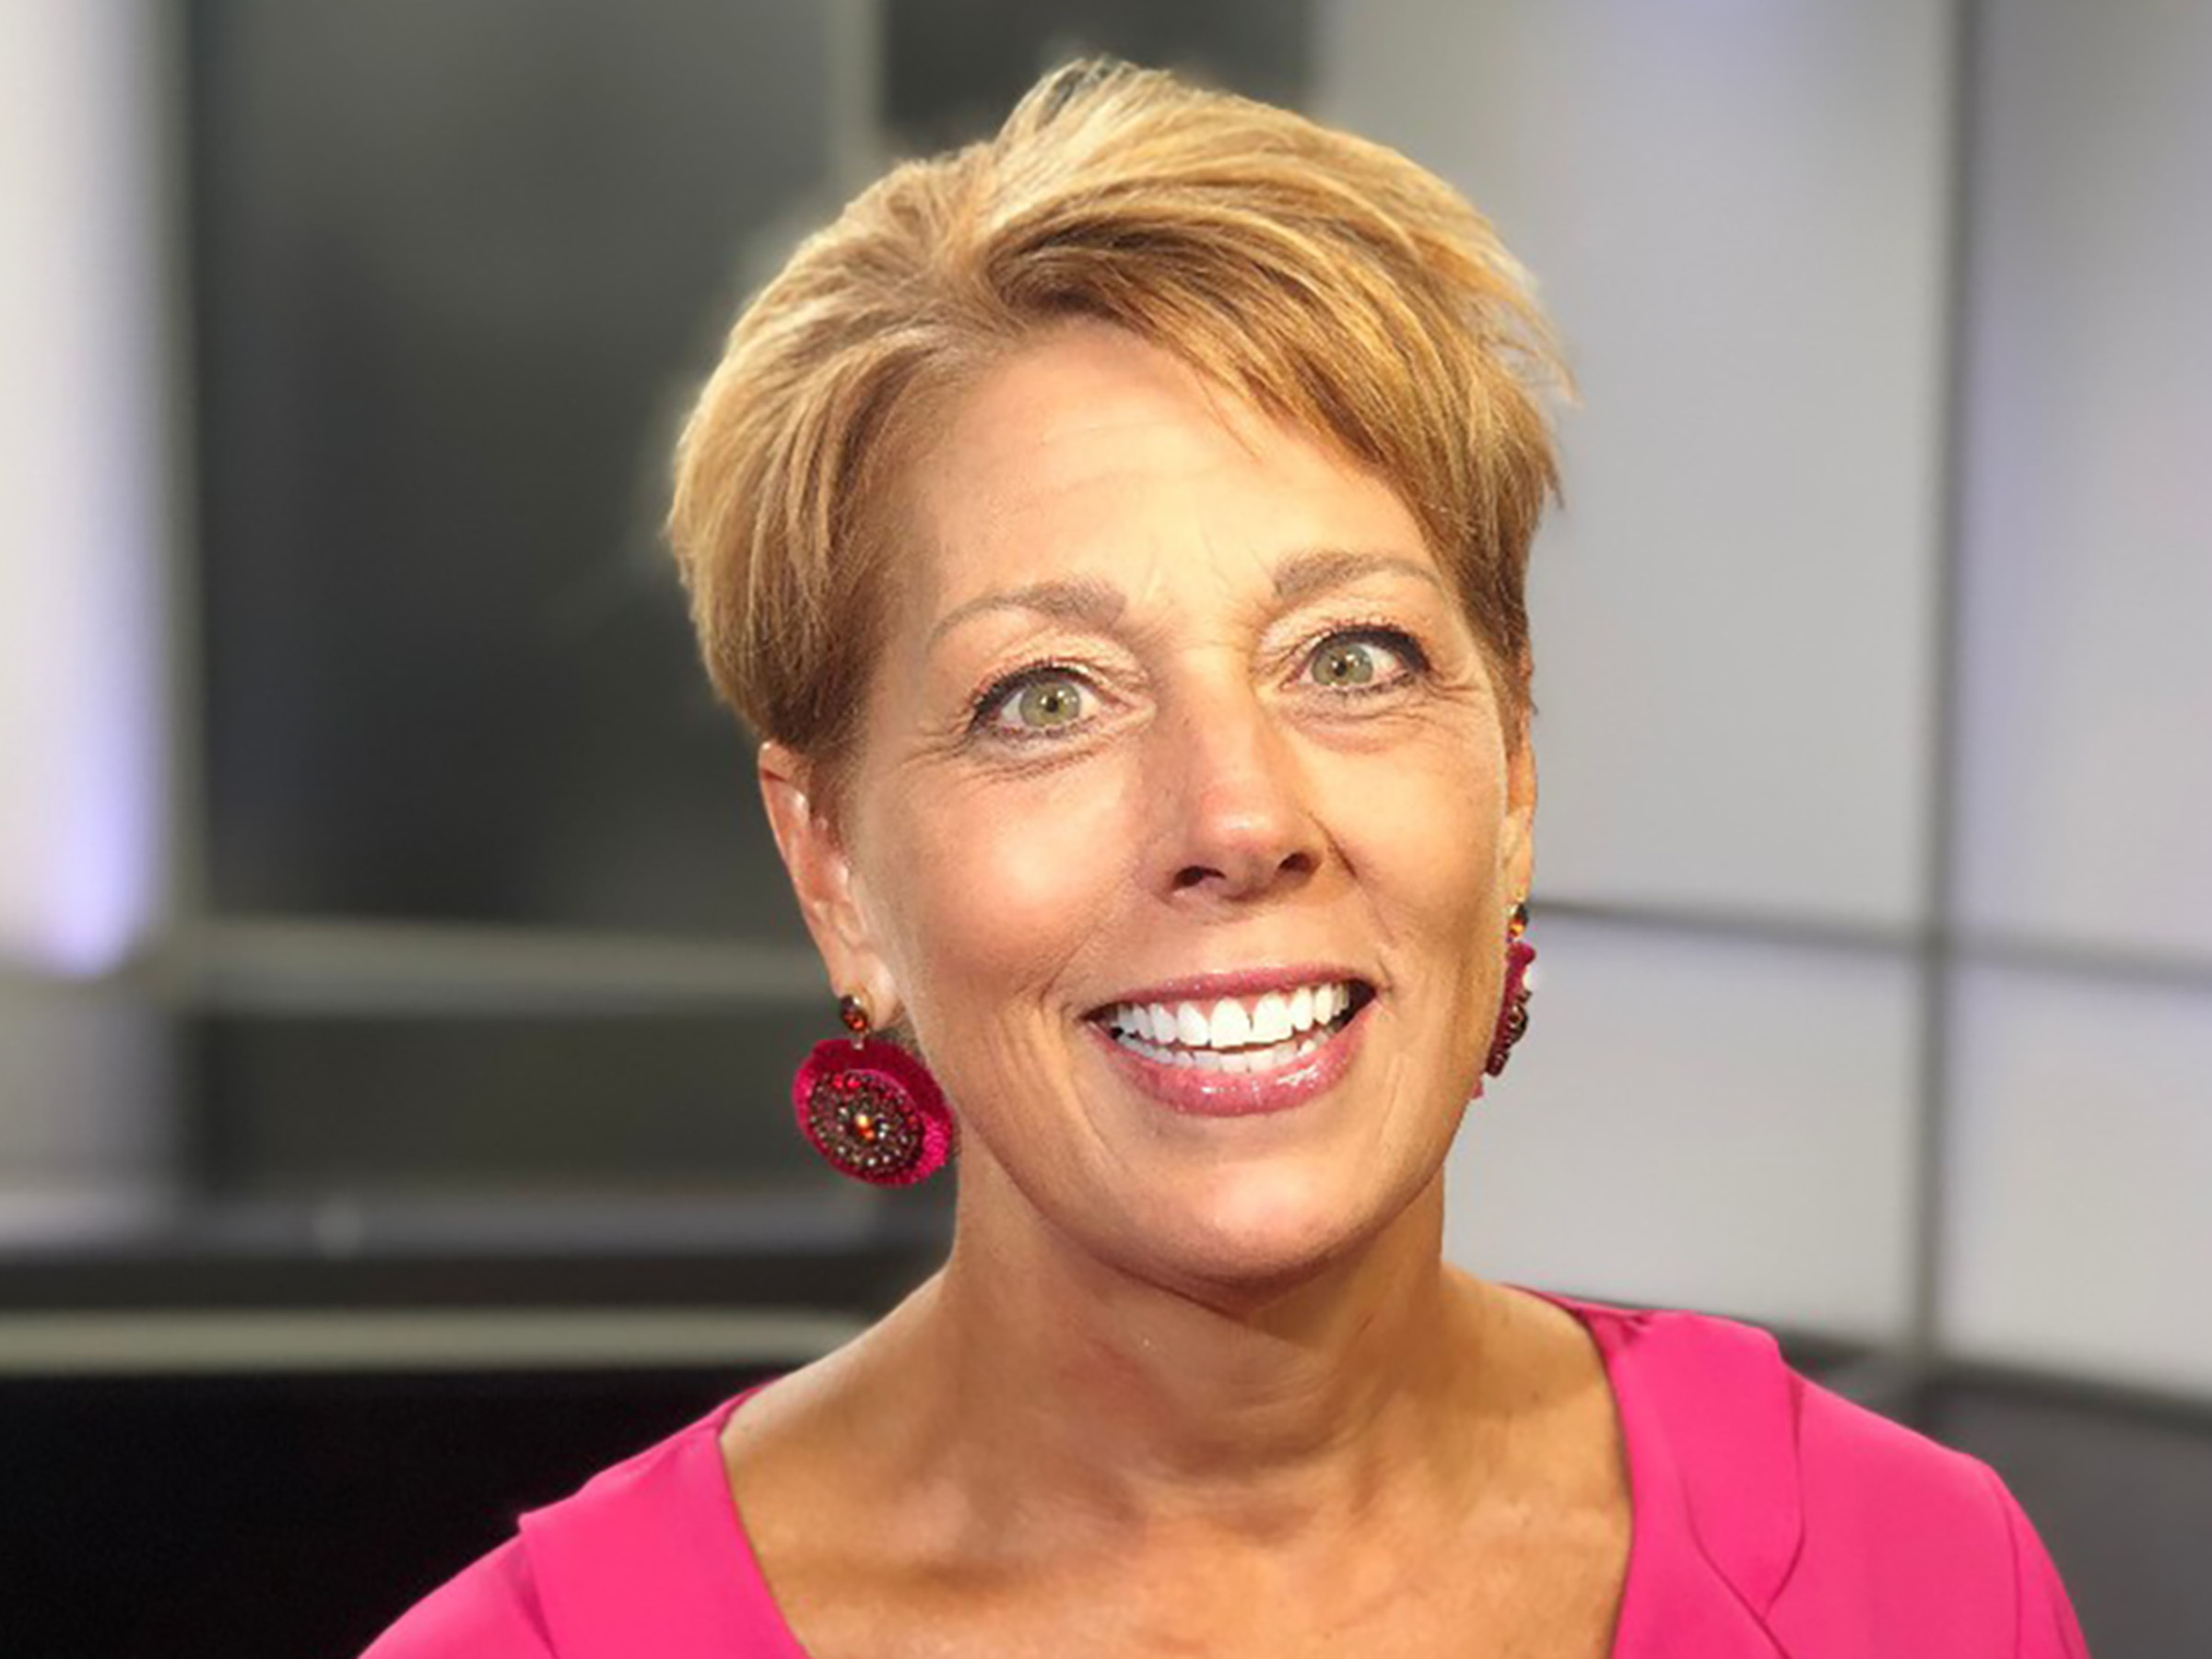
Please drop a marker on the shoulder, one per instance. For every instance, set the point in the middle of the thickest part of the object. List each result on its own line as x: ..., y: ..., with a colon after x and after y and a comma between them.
x: 1822, y: 1513
x: 488, y: 1611
x: 1895, y: 1519
x: 1729, y: 1404
x: 624, y: 1547
x: 1724, y: 1392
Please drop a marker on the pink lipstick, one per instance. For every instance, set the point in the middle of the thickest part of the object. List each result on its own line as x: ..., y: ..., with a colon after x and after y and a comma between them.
x: 1240, y: 1043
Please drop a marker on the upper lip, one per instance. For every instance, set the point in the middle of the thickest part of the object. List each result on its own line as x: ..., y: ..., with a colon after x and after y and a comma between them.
x: 1234, y: 982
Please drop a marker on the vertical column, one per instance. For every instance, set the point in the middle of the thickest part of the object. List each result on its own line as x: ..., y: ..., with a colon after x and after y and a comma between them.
x: 81, y: 629
x: 81, y: 659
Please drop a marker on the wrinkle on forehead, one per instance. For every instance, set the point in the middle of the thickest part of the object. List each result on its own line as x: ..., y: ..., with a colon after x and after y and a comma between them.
x: 1081, y: 450
x: 1087, y: 600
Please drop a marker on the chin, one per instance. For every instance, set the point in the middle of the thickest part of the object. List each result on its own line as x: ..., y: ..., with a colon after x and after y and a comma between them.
x: 1263, y: 1233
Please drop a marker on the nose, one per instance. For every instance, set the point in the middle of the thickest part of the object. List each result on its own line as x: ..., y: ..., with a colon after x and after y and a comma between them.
x: 1232, y: 792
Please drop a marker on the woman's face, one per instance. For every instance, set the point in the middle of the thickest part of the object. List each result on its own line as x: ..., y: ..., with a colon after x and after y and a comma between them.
x: 1184, y: 825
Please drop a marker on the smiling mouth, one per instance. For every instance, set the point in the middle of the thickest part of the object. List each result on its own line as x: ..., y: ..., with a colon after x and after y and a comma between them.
x: 1236, y: 1035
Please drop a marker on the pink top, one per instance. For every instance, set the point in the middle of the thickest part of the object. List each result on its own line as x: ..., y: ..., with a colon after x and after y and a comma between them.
x: 1769, y: 1517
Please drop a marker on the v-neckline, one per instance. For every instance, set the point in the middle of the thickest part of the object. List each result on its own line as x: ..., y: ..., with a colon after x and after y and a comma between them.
x: 752, y: 1602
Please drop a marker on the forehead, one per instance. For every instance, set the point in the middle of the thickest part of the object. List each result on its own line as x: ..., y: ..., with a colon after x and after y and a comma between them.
x: 1089, y: 451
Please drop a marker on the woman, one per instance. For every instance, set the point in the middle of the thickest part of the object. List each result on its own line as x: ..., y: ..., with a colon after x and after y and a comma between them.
x: 1116, y: 533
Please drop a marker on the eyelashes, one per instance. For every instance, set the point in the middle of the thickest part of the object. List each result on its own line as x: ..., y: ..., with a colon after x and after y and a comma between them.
x: 1050, y: 700
x: 1346, y: 660
x: 1041, y: 699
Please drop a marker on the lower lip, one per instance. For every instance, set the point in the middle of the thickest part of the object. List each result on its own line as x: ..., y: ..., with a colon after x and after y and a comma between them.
x: 1198, y: 1093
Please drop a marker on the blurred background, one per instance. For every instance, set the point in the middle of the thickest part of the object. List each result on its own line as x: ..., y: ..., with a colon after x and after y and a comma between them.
x: 397, y: 991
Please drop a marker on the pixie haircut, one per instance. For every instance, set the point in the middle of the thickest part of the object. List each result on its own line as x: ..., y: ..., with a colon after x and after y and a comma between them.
x: 1327, y: 281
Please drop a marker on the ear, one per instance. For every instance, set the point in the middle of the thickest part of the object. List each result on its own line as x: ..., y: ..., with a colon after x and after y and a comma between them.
x: 1517, y: 848
x: 816, y: 857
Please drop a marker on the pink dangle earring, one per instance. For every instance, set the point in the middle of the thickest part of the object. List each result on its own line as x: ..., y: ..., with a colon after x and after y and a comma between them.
x: 1512, y: 1013
x: 869, y: 1108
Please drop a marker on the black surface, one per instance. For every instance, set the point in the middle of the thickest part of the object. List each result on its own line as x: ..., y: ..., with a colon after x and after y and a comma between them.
x: 782, y: 1261
x: 285, y: 1518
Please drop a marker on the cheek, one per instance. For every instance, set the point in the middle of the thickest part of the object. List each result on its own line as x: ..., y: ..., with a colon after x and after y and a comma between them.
x: 1426, y: 821
x: 1425, y: 841
x: 999, y: 885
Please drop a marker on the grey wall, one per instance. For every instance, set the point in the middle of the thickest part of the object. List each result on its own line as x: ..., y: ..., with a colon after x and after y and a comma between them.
x: 2081, y: 1236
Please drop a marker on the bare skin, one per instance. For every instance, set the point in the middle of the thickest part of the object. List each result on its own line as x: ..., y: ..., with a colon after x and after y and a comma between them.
x: 1188, y: 1383
x: 1272, y: 1489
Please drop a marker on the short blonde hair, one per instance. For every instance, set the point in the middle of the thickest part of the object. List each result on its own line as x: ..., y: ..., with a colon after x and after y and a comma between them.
x: 1333, y: 284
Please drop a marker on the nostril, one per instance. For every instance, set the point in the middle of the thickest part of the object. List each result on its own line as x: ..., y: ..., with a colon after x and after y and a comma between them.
x: 1291, y: 866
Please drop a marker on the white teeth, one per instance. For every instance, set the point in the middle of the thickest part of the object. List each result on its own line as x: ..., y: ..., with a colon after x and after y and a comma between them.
x: 1234, y: 1035
x: 1228, y: 1026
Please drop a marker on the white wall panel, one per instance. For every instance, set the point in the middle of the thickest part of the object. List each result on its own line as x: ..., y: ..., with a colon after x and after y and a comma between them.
x: 80, y: 629
x: 2080, y: 1221
x: 2088, y: 694
x: 1704, y: 1122
x: 1736, y: 214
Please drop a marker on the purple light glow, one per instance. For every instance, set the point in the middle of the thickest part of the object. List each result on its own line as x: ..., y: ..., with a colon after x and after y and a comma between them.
x: 82, y: 772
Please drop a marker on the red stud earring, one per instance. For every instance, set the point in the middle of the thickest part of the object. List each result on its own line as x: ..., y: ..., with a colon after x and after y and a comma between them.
x: 1512, y: 1013
x: 869, y: 1108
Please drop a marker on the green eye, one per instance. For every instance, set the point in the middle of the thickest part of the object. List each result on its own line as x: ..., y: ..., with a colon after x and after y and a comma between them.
x: 1356, y: 660
x: 1044, y: 704
x: 1345, y: 662
x: 1046, y: 700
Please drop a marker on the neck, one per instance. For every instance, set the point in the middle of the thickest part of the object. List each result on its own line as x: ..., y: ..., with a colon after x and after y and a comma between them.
x: 1238, y: 1410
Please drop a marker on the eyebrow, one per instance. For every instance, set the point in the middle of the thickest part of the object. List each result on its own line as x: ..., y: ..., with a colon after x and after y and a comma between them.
x: 1099, y: 604
x: 1095, y: 604
x: 1319, y: 568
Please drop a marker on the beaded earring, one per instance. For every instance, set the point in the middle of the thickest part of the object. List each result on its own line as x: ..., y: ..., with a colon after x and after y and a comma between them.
x: 1513, y: 1012
x: 869, y: 1107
